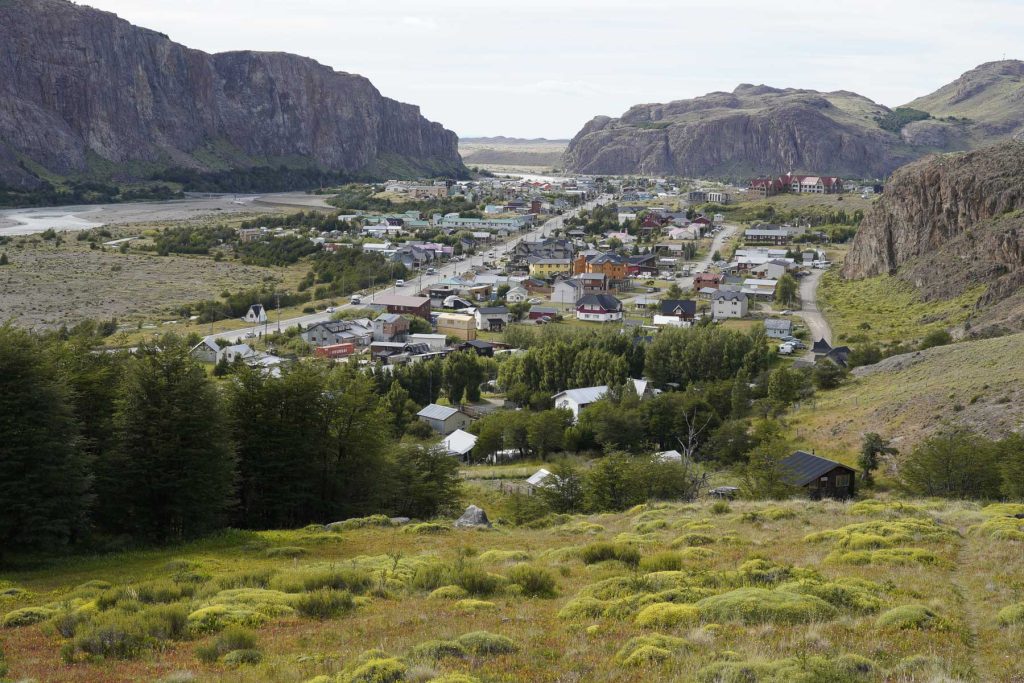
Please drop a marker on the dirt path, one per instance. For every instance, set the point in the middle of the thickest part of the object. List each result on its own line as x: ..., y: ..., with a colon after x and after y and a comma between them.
x: 809, y: 310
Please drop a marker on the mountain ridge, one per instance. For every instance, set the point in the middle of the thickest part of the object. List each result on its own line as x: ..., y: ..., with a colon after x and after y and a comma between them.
x: 86, y: 94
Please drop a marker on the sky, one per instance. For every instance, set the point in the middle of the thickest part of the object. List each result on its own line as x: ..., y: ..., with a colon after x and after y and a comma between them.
x: 543, y: 68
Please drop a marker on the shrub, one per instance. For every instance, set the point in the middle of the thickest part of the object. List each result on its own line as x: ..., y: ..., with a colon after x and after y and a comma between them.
x: 645, y: 655
x: 360, y: 522
x: 505, y: 556
x: 426, y: 528
x: 438, y: 649
x: 759, y: 605
x: 311, y: 579
x: 26, y: 616
x: 815, y: 668
x: 911, y: 617
x: 692, y: 540
x: 243, y: 657
x: 666, y: 615
x: 600, y: 552
x: 720, y: 507
x: 472, y: 605
x: 324, y: 604
x: 660, y: 562
x: 377, y: 670
x: 771, y: 513
x: 1001, y: 528
x: 482, y: 643
x: 449, y: 593
x: 628, y: 655
x: 217, y: 617
x: 535, y: 581
x: 891, y: 532
x: 233, y: 638
x: 1011, y: 615
x: 885, y: 556
x: 162, y: 591
x: 880, y: 508
x: 454, y: 678
x: 118, y: 635
x: 476, y: 581
x: 583, y: 606
x: 849, y: 594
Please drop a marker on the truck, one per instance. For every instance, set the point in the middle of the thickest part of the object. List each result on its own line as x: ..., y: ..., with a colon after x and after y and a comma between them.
x: 356, y: 299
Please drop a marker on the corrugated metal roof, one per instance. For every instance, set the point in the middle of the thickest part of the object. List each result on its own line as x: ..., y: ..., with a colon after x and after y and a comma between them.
x: 459, y: 442
x: 538, y: 476
x: 436, y: 412
x: 585, y: 395
x: 804, y: 467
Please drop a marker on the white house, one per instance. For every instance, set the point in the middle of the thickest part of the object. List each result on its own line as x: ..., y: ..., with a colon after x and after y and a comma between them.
x: 566, y: 292
x: 728, y: 305
x: 459, y: 444
x: 436, y: 342
x: 236, y: 351
x: 575, y: 400
x: 517, y: 295
x: 777, y: 328
x: 206, y: 351
x: 444, y: 419
x: 492, y: 318
x: 256, y: 314
x: 598, y: 308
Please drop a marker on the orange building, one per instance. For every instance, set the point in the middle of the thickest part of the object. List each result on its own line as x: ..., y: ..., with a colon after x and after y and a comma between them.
x: 612, y: 266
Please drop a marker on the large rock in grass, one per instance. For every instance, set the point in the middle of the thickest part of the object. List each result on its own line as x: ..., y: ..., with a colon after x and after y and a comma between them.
x: 473, y: 517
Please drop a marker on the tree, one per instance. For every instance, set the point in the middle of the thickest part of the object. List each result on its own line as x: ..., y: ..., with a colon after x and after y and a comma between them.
x: 44, y: 475
x: 872, y: 446
x: 400, y: 408
x: 955, y: 464
x: 418, y: 325
x: 173, y: 457
x: 612, y: 484
x: 730, y: 443
x: 1011, y: 459
x: 424, y: 482
x: 784, y: 385
x: 828, y: 375
x: 786, y: 290
x: 763, y: 476
x: 563, y: 490
x: 717, y: 256
x: 936, y: 338
x: 546, y: 431
x: 463, y: 374
x: 864, y: 354
x: 3, y: 259
x: 673, y: 291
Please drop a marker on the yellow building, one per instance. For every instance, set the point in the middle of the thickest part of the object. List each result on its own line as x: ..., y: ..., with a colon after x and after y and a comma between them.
x: 547, y: 268
x: 457, y: 325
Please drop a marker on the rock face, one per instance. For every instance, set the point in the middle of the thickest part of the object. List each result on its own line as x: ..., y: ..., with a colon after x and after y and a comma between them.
x: 949, y: 223
x: 472, y: 517
x: 757, y: 129
x: 82, y: 91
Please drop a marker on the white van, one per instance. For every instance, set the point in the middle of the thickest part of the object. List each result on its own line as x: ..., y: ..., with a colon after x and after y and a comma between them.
x: 356, y: 299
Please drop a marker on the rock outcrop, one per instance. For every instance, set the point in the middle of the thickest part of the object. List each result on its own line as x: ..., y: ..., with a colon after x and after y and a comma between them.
x: 758, y: 129
x: 85, y: 94
x: 949, y: 223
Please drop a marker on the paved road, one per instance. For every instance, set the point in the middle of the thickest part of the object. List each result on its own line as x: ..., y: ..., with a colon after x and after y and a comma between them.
x: 416, y: 285
x: 716, y: 245
x: 816, y: 322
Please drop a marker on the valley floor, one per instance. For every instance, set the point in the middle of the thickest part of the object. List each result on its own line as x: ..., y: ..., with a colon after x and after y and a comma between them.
x: 809, y: 591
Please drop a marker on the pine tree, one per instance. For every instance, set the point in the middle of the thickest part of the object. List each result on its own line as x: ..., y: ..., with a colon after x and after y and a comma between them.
x: 3, y: 259
x: 44, y: 476
x: 173, y: 457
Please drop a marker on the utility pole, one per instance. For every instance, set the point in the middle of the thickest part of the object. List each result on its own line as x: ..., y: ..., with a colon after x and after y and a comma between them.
x: 278, y: 295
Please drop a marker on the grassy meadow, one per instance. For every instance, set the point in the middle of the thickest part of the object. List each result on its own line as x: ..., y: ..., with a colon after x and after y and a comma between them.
x: 794, y: 591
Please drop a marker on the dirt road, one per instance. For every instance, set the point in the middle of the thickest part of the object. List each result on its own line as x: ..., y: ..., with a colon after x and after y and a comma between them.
x: 809, y: 311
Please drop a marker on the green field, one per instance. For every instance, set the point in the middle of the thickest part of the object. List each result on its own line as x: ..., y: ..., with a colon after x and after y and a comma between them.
x: 917, y: 591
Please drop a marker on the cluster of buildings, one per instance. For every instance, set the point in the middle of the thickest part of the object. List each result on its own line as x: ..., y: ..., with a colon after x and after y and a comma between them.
x: 797, y: 184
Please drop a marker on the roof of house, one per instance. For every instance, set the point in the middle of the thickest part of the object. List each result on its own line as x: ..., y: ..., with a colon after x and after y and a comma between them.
x: 436, y: 412
x: 208, y: 342
x: 604, y: 301
x: 804, y: 467
x: 778, y: 324
x: 492, y: 310
x: 479, y: 344
x: 584, y: 395
x: 399, y: 300
x: 538, y: 477
x: 720, y: 294
x: 678, y: 307
x: 821, y: 346
x: 388, y: 318
x: 459, y: 442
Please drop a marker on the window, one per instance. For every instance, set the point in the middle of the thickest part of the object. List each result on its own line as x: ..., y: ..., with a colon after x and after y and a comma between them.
x: 842, y: 481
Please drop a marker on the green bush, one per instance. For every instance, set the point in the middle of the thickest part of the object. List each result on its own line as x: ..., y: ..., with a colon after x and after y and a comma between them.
x: 641, y: 649
x: 1011, y: 615
x: 535, y: 581
x: 243, y: 657
x: 476, y: 581
x: 600, y: 552
x: 667, y: 615
x: 720, y: 507
x: 911, y: 617
x: 661, y: 562
x: 360, y: 522
x: 233, y: 638
x: 163, y: 591
x: 449, y: 593
x: 760, y: 605
x: 324, y: 604
x: 310, y: 579
x: 473, y: 605
x: 119, y: 635
x: 438, y: 649
x: 812, y: 669
x: 482, y: 643
x: 26, y: 616
x: 377, y: 670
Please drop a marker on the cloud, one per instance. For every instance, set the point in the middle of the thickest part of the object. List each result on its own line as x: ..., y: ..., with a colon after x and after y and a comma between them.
x: 421, y: 23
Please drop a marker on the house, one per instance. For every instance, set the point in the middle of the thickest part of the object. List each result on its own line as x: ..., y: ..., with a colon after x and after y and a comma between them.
x: 728, y: 305
x: 642, y: 264
x: 481, y: 348
x: 256, y: 314
x: 683, y: 309
x: 535, y: 286
x: 706, y: 293
x: 614, y: 266
x: 598, y: 308
x: 840, y: 355
x: 457, y: 325
x: 329, y: 332
x: 436, y: 342
x: 777, y: 328
x: 759, y: 289
x: 537, y: 479
x: 592, y: 282
x: 702, y: 280
x: 390, y: 327
x: 517, y: 295
x: 413, y: 305
x: 459, y: 444
x: 444, y: 419
x: 567, y: 292
x: 547, y: 268
x: 206, y: 351
x: 771, y: 270
x: 235, y: 352
x: 820, y: 477
x: 538, y: 312
x: 492, y: 318
x: 769, y: 234
x: 575, y: 400
x: 334, y: 351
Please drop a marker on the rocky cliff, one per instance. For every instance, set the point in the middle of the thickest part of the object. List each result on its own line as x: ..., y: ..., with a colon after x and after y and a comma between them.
x: 949, y: 223
x: 758, y: 129
x: 86, y: 94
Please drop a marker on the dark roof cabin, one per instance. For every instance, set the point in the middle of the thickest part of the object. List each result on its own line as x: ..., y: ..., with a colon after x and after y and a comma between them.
x: 820, y: 477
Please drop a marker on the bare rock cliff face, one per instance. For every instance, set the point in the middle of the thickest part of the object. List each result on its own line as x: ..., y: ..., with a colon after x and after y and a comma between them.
x: 81, y: 88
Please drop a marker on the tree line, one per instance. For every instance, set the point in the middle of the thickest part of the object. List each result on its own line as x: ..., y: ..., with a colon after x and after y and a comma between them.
x: 146, y: 448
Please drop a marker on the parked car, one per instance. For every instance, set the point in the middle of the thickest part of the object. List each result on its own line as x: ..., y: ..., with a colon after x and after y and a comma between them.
x: 785, y: 349
x: 431, y: 271
x: 330, y: 309
x: 399, y: 283
x: 356, y: 299
x: 787, y: 312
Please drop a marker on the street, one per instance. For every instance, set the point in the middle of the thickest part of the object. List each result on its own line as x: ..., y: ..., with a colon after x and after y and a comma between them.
x: 416, y: 284
x: 816, y: 323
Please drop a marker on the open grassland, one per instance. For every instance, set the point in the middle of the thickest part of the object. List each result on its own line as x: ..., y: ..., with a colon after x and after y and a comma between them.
x: 793, y: 591
x: 809, y: 203
x: 975, y: 384
x: 885, y: 309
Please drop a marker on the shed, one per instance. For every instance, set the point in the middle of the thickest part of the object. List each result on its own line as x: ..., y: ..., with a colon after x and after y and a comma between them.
x: 820, y: 477
x: 444, y: 419
x: 459, y: 444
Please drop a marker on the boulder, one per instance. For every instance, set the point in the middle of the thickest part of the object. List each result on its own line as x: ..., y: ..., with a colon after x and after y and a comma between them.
x: 473, y: 517
x: 399, y: 521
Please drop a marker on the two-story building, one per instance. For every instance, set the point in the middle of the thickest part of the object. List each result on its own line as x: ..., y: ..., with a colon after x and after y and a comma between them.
x: 598, y: 308
x: 728, y: 305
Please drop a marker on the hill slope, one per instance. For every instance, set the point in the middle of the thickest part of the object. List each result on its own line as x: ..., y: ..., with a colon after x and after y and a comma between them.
x: 85, y: 94
x: 949, y: 223
x: 759, y: 129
